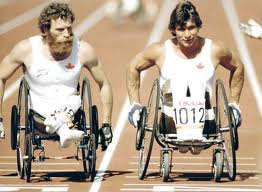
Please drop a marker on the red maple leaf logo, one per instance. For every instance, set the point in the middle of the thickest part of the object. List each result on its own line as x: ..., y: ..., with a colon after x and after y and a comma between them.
x: 200, y: 66
x: 69, y: 66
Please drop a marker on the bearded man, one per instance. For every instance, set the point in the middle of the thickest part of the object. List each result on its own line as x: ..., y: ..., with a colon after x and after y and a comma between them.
x: 52, y: 64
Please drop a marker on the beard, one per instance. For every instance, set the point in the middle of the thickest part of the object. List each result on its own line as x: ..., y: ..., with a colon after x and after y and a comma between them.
x: 60, y: 46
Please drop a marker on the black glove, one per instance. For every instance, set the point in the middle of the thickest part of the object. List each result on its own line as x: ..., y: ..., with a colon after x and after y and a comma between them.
x: 106, y: 135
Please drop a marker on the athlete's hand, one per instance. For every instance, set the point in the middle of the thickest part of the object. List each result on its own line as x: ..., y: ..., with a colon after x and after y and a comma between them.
x: 252, y: 29
x: 134, y: 114
x: 237, y: 113
x: 106, y: 135
x: 2, y: 131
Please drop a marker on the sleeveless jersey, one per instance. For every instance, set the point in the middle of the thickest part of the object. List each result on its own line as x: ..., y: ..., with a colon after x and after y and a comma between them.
x: 185, y: 73
x: 52, y: 83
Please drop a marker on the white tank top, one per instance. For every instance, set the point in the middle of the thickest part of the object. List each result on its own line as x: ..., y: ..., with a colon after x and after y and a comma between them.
x: 187, y: 71
x: 52, y: 83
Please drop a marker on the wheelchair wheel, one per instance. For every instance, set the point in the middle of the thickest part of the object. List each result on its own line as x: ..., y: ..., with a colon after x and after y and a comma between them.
x: 218, y: 161
x: 235, y: 131
x: 165, y: 166
x: 225, y: 129
x: 95, y: 124
x: 140, y: 133
x: 92, y: 157
x: 28, y: 156
x: 20, y: 126
x: 14, y: 127
x: 150, y: 130
x: 90, y: 127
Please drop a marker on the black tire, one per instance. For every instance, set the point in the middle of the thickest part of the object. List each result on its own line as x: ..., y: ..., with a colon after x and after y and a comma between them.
x: 235, y: 131
x: 28, y: 157
x: 22, y: 128
x: 91, y: 129
x: 92, y: 157
x: 150, y: 130
x: 87, y: 105
x: 165, y: 167
x: 84, y: 143
x: 140, y: 133
x: 14, y: 128
x: 218, y: 165
x: 20, y: 163
x: 95, y: 124
x: 225, y: 129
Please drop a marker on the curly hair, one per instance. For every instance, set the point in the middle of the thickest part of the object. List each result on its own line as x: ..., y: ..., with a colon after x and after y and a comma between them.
x: 54, y: 11
x: 182, y: 13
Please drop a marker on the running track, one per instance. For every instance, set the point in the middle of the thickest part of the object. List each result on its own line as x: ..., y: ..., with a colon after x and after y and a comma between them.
x: 115, y: 46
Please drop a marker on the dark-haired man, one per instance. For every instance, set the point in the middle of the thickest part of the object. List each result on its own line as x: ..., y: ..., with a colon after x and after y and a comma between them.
x: 53, y: 62
x: 187, y: 64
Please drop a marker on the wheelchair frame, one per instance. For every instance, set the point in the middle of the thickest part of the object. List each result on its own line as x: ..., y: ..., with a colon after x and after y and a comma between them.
x: 225, y: 137
x: 23, y: 123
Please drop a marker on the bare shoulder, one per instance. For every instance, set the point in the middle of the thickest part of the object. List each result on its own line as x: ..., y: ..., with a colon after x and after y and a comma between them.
x: 86, y: 50
x: 87, y: 54
x: 219, y: 49
x: 154, y: 50
x: 21, y: 49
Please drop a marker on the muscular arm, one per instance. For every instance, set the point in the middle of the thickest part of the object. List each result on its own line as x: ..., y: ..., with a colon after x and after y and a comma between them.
x: 231, y: 61
x: 91, y: 62
x: 142, y: 61
x: 10, y: 64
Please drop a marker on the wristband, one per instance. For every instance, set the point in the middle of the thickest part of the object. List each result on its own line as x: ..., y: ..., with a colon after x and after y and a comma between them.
x: 1, y: 119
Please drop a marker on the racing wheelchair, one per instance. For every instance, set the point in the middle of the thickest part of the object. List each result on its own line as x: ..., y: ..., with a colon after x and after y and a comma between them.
x: 27, y: 139
x: 224, y: 137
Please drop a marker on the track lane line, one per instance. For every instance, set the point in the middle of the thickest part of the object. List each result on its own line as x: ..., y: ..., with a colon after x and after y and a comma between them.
x: 233, y: 20
x: 156, y: 35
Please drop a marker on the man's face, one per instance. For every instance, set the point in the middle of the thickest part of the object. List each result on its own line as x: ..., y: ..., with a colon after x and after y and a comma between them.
x: 60, y: 36
x: 187, y: 35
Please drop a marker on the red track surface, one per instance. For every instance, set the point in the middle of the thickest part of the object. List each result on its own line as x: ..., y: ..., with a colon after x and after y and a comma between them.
x: 115, y: 46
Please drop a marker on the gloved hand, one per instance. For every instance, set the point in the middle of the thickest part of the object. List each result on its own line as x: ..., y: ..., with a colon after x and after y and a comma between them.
x: 237, y: 113
x: 252, y: 29
x: 134, y: 114
x: 2, y: 131
x: 106, y: 135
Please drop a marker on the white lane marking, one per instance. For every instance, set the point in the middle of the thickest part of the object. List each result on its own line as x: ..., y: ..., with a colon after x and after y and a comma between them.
x: 195, y: 157
x: 6, y: 2
x: 44, y: 188
x: 11, y: 89
x: 158, y: 30
x: 41, y: 163
x: 198, y: 170
x: 192, y: 187
x: 186, y: 188
x: 190, y: 177
x: 243, y: 50
x: 89, y: 22
x: 190, y: 184
x: 153, y: 163
x: 21, y: 19
x: 42, y: 170
x: 200, y: 189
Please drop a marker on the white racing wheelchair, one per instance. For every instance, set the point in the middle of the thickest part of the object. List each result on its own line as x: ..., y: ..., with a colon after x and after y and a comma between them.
x: 224, y: 137
x: 27, y: 136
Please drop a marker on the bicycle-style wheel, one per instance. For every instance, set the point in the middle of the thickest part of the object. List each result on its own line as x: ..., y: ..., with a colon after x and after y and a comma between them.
x: 150, y: 130
x: 90, y: 118
x: 218, y: 162
x: 20, y: 127
x: 140, y: 133
x: 225, y: 129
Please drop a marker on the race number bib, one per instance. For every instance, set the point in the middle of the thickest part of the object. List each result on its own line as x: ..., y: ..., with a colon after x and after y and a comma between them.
x: 189, y: 117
